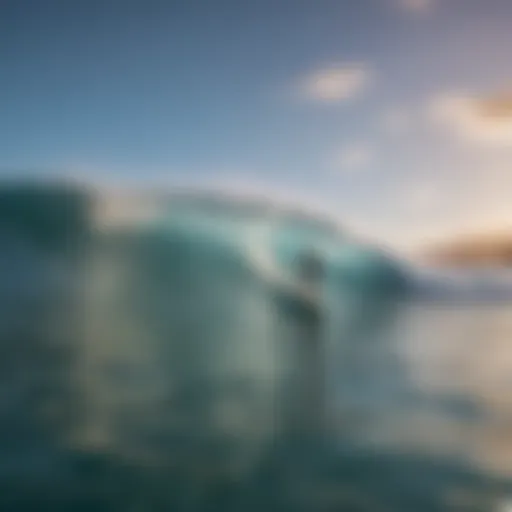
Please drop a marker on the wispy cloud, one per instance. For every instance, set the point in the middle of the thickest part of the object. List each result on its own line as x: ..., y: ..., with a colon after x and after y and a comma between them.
x: 337, y: 83
x: 485, y: 120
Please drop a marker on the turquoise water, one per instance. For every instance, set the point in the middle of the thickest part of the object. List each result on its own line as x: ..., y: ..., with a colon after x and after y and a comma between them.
x: 179, y: 367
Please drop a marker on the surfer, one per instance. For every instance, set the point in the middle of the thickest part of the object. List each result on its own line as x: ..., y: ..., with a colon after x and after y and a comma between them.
x: 310, y: 349
x: 301, y: 310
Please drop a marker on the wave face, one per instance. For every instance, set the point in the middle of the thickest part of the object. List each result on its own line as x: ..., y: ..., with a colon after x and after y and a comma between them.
x: 180, y: 341
x: 207, y: 300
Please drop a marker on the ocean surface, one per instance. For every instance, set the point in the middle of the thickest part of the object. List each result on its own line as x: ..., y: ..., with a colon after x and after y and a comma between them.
x: 175, y: 368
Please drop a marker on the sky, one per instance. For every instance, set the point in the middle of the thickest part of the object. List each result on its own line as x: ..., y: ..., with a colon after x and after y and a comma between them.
x: 396, y: 115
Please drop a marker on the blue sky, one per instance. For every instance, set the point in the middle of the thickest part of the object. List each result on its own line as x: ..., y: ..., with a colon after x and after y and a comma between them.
x: 372, y: 107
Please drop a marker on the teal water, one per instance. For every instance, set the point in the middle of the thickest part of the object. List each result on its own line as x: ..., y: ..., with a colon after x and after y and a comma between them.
x: 179, y: 367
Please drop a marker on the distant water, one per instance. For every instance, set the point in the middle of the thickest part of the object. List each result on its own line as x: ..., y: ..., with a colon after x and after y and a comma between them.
x: 163, y: 374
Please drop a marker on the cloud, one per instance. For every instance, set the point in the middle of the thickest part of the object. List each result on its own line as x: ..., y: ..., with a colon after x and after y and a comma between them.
x: 354, y: 157
x: 416, y: 6
x: 337, y: 83
x: 484, y: 120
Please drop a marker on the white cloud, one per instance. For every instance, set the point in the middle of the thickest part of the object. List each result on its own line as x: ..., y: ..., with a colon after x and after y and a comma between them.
x: 354, y: 158
x: 416, y: 6
x: 337, y: 83
x: 487, y: 121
